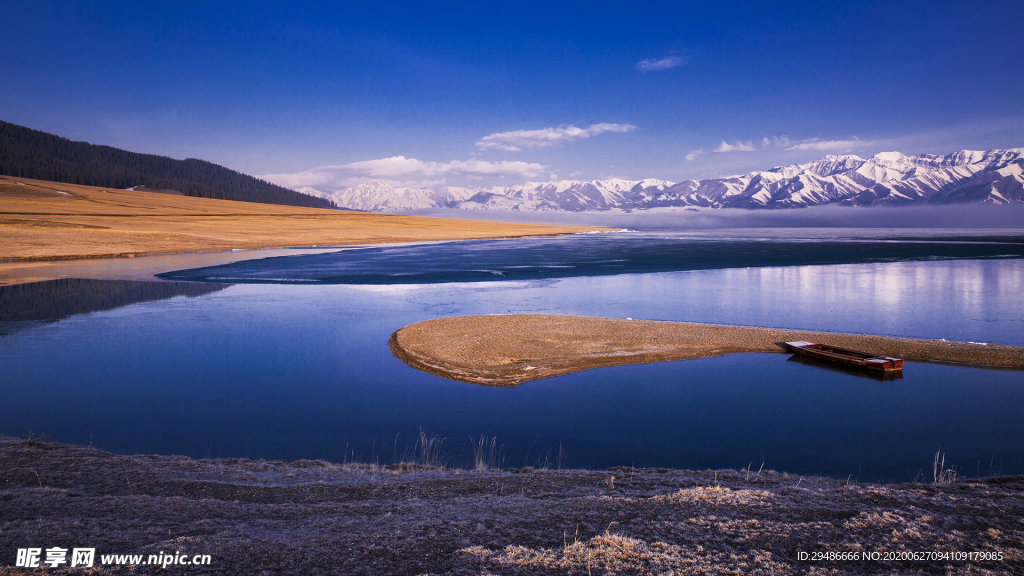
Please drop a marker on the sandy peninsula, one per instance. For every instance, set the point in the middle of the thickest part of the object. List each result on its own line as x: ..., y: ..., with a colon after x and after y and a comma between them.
x: 315, y: 517
x: 505, y: 350
x: 44, y: 221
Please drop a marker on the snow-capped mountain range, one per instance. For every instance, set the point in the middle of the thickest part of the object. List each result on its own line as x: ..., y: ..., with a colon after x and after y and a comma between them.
x: 992, y: 177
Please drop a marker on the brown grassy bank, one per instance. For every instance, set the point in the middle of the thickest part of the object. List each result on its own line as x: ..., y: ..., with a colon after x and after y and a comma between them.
x: 312, y: 517
x: 45, y: 221
x: 505, y: 350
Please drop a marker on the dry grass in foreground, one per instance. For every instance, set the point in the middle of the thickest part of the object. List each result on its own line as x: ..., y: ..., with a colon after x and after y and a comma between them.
x: 313, y: 517
x: 504, y: 350
x: 42, y: 220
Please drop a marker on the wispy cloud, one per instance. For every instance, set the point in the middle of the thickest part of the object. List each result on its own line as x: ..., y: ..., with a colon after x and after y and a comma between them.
x: 818, y: 145
x: 784, y: 143
x: 660, y: 64
x: 738, y: 146
x: 400, y: 166
x: 406, y: 171
x: 775, y: 142
x: 517, y: 140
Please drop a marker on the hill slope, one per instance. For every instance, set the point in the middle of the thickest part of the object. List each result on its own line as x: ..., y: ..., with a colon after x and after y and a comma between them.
x: 27, y: 153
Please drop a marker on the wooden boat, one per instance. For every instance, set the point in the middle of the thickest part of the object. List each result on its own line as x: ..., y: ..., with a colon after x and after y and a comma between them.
x: 852, y: 371
x: 846, y: 357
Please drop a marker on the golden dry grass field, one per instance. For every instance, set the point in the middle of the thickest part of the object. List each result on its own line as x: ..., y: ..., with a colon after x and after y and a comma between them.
x: 48, y: 221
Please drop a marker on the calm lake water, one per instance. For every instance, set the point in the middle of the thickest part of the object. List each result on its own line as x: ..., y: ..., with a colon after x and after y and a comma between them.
x: 291, y: 360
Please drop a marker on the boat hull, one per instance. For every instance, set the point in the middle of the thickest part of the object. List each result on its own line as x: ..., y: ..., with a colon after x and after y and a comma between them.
x: 846, y: 357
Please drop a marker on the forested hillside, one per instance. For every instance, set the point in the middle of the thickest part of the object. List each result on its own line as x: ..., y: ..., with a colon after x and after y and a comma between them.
x: 28, y: 153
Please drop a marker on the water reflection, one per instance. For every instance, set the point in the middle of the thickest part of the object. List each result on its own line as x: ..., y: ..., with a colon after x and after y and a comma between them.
x: 23, y: 304
x: 137, y: 267
x: 973, y: 300
x: 827, y: 367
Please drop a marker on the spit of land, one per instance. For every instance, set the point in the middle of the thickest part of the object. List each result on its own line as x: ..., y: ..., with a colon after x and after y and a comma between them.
x: 504, y: 350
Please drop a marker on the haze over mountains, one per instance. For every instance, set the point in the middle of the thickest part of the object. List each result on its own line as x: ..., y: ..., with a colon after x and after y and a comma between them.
x: 887, y: 178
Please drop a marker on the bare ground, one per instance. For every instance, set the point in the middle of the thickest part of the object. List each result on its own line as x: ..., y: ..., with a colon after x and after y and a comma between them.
x: 505, y: 350
x: 313, y: 517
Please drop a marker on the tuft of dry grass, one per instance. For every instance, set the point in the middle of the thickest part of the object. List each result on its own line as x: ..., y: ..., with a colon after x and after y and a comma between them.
x: 941, y: 474
x: 716, y: 496
x: 428, y: 450
x: 486, y: 454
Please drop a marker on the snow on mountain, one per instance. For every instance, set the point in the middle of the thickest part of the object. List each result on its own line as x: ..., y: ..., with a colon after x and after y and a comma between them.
x: 885, y: 178
x: 994, y: 177
x: 380, y: 196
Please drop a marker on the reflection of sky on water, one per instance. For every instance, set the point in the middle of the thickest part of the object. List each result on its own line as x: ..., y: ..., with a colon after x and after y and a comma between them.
x: 963, y: 299
x: 978, y: 300
x: 290, y: 371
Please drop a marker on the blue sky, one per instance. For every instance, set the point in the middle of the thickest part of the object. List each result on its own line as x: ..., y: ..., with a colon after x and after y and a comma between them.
x: 483, y: 93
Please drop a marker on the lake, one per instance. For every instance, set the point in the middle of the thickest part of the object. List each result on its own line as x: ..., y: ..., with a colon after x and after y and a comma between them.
x: 287, y: 358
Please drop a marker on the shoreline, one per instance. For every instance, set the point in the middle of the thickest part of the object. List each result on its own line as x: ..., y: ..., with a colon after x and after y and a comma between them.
x: 295, y: 247
x: 134, y: 267
x: 506, y: 350
x: 147, y: 266
x: 313, y: 517
x: 49, y: 226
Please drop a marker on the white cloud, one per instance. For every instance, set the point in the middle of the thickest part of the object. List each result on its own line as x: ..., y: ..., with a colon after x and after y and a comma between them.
x: 394, y: 167
x: 312, y: 177
x: 738, y: 146
x: 479, y: 168
x: 517, y: 140
x: 659, y: 64
x: 783, y: 142
x: 774, y: 142
x: 818, y: 145
x: 404, y: 171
